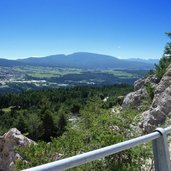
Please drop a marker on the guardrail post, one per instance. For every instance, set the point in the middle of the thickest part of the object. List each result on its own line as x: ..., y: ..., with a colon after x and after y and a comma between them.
x: 161, y: 152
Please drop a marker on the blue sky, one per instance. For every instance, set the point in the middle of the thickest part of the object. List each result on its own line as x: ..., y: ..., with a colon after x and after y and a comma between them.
x: 121, y: 28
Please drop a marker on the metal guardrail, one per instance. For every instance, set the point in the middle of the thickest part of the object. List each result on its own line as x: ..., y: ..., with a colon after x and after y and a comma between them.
x: 160, y: 152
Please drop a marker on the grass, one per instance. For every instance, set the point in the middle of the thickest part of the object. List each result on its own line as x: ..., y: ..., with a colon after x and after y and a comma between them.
x: 46, y: 72
x: 122, y: 74
x: 6, y: 110
x: 49, y: 72
x: 63, y: 71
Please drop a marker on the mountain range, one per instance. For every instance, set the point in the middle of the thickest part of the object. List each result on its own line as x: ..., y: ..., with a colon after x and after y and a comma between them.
x: 82, y: 60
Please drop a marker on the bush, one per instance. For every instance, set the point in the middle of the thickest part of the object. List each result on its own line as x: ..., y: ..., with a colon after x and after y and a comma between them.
x: 150, y: 90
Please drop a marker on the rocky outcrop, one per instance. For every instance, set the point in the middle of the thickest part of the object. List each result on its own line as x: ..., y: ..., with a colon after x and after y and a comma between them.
x: 160, y: 109
x: 139, y: 84
x: 134, y: 99
x: 140, y: 93
x: 8, y: 142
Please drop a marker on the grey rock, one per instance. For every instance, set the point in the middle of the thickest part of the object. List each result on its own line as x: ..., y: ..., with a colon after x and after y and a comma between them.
x: 152, y: 79
x: 138, y: 84
x: 160, y: 109
x: 134, y: 99
x: 8, y: 143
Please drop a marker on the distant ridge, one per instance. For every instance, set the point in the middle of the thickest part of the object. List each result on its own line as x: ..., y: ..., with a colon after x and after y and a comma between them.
x: 152, y: 61
x: 8, y: 63
x: 82, y: 60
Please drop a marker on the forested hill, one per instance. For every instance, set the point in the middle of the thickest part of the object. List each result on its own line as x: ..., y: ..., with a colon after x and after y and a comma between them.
x: 87, y: 61
x: 82, y: 60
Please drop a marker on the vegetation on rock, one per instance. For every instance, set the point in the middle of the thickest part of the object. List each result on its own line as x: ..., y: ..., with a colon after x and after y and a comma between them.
x: 164, y: 61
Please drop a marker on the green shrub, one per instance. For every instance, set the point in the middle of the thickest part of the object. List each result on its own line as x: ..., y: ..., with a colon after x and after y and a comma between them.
x: 150, y: 90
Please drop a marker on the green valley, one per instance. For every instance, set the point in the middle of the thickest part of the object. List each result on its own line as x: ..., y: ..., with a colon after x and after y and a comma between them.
x: 22, y: 78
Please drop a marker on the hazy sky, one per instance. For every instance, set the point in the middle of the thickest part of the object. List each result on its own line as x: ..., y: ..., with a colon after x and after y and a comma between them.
x: 121, y: 28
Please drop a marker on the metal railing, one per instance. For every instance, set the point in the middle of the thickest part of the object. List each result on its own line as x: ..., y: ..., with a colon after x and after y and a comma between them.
x: 160, y: 152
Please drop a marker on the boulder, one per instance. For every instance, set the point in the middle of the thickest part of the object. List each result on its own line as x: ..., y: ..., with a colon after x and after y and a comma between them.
x: 139, y: 84
x: 152, y: 79
x: 135, y: 98
x: 8, y: 143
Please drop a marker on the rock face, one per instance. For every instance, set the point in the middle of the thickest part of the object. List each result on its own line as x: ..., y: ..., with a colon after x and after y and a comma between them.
x: 135, y: 98
x: 8, y: 142
x: 139, y: 84
x: 160, y: 109
x: 161, y: 105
